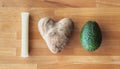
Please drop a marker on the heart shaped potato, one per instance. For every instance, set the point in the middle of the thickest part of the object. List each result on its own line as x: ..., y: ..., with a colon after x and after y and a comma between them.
x: 56, y: 35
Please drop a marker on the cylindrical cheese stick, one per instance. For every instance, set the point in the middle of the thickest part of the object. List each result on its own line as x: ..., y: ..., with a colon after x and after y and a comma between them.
x: 25, y: 24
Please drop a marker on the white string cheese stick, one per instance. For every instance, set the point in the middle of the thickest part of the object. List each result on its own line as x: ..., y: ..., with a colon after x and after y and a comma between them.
x: 25, y: 24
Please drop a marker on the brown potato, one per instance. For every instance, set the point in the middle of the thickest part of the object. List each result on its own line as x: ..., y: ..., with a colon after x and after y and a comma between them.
x: 57, y: 34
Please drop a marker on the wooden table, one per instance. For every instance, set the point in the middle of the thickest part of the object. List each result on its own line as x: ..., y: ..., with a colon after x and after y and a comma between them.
x: 105, y: 12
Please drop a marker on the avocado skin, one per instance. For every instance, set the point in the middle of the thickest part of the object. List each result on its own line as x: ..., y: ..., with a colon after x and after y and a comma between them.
x: 91, y: 36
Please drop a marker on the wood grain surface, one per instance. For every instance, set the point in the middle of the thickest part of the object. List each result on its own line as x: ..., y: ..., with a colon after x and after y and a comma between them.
x: 105, y: 12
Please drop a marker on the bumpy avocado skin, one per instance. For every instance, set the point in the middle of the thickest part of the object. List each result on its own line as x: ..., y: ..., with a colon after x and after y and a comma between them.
x: 91, y: 36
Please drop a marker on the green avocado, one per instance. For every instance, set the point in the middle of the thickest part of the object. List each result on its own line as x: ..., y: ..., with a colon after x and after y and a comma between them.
x: 91, y: 36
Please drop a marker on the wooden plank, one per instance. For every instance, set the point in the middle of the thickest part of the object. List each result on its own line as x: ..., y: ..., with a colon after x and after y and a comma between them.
x: 62, y: 60
x: 1, y: 3
x: 18, y: 66
x: 7, y: 35
x: 74, y: 3
x: 107, y: 3
x: 7, y: 52
x: 90, y: 59
x: 49, y: 3
x: 61, y: 3
x: 29, y: 60
x: 78, y: 66
x: 87, y: 11
x: 10, y: 43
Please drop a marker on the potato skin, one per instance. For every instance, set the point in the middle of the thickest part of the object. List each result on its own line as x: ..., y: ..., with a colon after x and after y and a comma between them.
x: 56, y: 35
